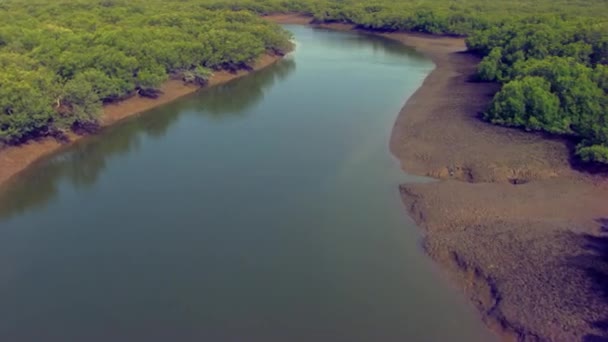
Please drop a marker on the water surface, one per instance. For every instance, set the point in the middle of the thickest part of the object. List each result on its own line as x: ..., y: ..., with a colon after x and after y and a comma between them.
x: 266, y: 209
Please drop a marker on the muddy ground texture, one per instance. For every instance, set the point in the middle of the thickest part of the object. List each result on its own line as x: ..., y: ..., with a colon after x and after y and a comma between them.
x: 512, y: 218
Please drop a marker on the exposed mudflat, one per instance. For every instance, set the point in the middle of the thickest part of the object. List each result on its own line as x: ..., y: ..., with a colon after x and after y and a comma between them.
x: 514, y: 222
x: 15, y: 159
x: 521, y: 230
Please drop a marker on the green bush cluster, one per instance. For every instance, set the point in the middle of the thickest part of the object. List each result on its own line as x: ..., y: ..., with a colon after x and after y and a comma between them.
x: 60, y: 61
x: 550, y: 55
x: 452, y: 17
x: 554, y: 77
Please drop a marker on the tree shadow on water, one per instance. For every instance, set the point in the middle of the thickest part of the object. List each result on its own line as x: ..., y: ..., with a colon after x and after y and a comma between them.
x: 82, y: 163
x: 596, y: 267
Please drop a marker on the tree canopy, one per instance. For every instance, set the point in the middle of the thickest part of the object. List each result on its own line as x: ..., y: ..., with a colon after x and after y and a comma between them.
x: 60, y: 61
x: 550, y: 55
x: 550, y: 60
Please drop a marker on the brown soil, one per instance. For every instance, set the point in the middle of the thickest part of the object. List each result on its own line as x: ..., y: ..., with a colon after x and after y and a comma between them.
x: 16, y: 158
x: 514, y: 224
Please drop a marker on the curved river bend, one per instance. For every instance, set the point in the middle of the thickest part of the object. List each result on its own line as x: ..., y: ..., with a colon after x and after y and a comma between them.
x: 266, y: 209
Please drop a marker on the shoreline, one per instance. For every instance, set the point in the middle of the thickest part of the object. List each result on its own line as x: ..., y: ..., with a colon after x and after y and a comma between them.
x: 521, y: 232
x: 15, y: 159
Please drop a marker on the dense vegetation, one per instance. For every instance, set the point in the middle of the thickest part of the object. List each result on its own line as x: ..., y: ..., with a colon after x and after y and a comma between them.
x: 550, y: 56
x: 66, y: 58
x: 60, y: 61
x: 454, y: 17
x: 555, y: 79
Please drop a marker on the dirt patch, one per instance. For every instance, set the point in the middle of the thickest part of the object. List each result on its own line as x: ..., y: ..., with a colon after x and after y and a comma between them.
x: 15, y: 159
x: 517, y: 227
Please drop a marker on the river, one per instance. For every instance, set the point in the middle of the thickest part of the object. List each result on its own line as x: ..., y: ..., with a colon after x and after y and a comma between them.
x: 265, y: 209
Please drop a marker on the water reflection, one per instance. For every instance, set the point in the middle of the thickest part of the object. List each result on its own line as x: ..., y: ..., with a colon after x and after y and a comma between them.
x: 363, y: 40
x: 82, y: 163
x: 235, y: 98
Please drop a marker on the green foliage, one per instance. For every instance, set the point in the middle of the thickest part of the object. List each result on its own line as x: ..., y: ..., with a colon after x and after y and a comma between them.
x: 600, y: 76
x: 594, y: 153
x: 529, y: 103
x: 60, y: 60
x: 200, y: 75
x: 453, y: 17
x: 492, y: 67
x: 104, y: 86
x: 550, y: 55
x: 26, y: 98
x: 82, y: 101
x: 149, y: 80
x: 569, y: 58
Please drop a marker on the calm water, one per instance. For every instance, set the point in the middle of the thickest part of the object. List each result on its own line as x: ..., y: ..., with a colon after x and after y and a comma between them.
x: 266, y: 209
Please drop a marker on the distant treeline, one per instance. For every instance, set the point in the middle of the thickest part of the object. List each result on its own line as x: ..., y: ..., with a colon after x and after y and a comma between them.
x: 61, y: 60
x: 550, y: 56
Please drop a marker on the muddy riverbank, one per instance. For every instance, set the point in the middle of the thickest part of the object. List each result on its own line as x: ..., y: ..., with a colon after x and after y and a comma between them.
x: 510, y: 219
x: 15, y: 159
